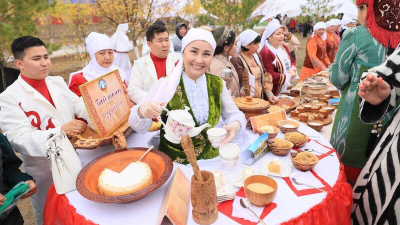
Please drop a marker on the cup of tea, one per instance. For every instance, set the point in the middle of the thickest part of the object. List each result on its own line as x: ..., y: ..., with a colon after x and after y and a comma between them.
x: 216, y: 136
x: 226, y: 73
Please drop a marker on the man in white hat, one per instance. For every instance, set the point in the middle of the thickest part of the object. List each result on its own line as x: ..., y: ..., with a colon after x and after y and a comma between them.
x: 150, y: 68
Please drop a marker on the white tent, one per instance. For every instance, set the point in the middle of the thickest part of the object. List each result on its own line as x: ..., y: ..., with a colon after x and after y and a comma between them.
x: 348, y: 8
x: 271, y: 8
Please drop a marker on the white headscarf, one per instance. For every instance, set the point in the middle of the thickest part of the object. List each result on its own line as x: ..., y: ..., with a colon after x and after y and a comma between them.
x: 245, y: 38
x: 96, y: 42
x: 275, y: 21
x: 336, y: 22
x: 317, y: 26
x: 120, y: 40
x: 345, y: 20
x: 330, y: 23
x: 269, y: 30
x: 167, y: 87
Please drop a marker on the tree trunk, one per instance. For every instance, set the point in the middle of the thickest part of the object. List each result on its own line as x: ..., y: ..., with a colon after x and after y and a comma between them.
x: 3, y: 76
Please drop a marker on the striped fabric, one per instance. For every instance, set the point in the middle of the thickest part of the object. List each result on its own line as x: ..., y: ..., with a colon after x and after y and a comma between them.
x: 376, y: 193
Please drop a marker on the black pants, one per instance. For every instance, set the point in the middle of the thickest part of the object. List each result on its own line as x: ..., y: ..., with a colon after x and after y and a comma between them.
x: 14, y: 218
x: 306, y: 28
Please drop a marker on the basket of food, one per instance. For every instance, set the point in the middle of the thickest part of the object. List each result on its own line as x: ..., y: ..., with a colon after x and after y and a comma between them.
x: 280, y: 147
x: 298, y: 139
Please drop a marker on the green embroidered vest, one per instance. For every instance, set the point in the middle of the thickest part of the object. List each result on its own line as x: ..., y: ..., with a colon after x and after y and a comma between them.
x: 202, y: 146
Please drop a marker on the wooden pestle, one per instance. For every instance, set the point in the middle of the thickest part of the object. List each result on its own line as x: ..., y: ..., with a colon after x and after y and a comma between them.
x: 188, y: 148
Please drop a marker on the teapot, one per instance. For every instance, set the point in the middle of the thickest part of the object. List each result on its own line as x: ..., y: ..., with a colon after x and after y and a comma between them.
x: 179, y: 123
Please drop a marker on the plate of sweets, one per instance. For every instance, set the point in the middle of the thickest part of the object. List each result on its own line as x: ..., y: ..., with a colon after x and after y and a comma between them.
x: 276, y: 168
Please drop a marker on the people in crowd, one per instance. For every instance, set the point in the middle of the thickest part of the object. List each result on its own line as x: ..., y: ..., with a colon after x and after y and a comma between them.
x: 316, y: 58
x: 285, y: 20
x: 292, y: 25
x: 358, y: 51
x: 122, y: 46
x: 145, y: 46
x: 347, y: 23
x: 291, y: 42
x: 35, y: 106
x: 226, y: 47
x: 150, y: 68
x: 307, y: 26
x: 332, y: 40
x: 101, y: 51
x: 180, y: 31
x: 254, y: 79
x: 276, y: 58
x: 11, y: 175
x: 376, y: 192
x: 189, y: 85
x: 337, y: 23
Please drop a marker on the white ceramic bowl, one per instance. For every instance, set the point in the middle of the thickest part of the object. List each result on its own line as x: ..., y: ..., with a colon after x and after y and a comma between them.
x: 216, y: 136
x: 229, y: 154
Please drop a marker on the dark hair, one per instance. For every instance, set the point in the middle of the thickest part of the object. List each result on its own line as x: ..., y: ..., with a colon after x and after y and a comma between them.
x: 153, y: 30
x: 229, y: 42
x: 257, y: 40
x: 20, y: 44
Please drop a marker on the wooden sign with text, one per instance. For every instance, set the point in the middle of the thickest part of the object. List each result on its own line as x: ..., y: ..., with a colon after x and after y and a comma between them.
x: 107, y: 102
x: 175, y: 205
x: 267, y: 119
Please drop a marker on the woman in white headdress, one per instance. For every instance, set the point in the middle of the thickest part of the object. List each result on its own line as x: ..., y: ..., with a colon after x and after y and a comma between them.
x: 122, y: 46
x: 316, y: 58
x: 276, y: 58
x: 255, y: 80
x: 101, y: 51
x: 347, y: 23
x: 332, y: 40
x: 189, y: 85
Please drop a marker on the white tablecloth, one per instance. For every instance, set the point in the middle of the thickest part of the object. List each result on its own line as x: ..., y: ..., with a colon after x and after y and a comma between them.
x: 145, y: 210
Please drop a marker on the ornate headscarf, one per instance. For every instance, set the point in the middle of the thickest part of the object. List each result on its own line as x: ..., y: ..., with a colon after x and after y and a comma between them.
x: 167, y: 86
x: 221, y: 35
x: 383, y: 21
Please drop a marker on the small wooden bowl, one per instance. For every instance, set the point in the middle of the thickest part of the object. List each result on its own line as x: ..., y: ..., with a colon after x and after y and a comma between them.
x: 286, y: 103
x: 294, y: 113
x: 288, y: 126
x: 329, y: 108
x: 301, y: 109
x: 302, y: 166
x: 260, y: 199
x: 315, y: 108
x: 323, y: 99
x: 270, y: 134
x: 324, y: 112
x: 280, y: 151
x: 316, y: 125
x: 303, y: 117
x: 297, y: 144
x: 307, y: 107
x: 319, y: 117
x: 321, y: 104
x: 159, y: 162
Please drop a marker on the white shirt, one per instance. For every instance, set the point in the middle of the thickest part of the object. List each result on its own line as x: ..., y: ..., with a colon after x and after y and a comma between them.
x: 200, y: 107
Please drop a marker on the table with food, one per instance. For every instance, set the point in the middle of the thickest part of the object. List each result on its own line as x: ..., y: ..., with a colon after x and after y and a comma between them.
x: 283, y: 171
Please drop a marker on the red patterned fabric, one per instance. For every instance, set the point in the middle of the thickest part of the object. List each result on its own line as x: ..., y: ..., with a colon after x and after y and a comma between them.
x: 359, y: 2
x: 227, y: 207
x: 334, y: 209
x: 309, y: 191
x: 383, y: 18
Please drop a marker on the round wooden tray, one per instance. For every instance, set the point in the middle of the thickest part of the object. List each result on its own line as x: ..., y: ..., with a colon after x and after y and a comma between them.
x: 92, y: 140
x: 159, y: 162
x: 326, y: 121
x: 290, y: 104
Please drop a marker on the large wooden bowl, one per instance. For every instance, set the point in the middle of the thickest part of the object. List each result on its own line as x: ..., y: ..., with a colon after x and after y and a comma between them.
x: 86, y: 183
x: 287, y: 104
x: 260, y: 199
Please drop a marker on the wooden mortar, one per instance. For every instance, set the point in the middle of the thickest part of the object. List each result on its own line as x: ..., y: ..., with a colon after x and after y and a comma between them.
x: 204, y: 199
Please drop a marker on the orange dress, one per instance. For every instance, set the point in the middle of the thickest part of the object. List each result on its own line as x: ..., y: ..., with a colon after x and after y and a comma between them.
x: 316, y: 57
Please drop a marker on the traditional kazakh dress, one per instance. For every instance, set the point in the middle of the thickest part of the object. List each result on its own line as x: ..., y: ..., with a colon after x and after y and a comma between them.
x: 332, y: 45
x: 316, y: 57
x: 358, y: 52
x: 376, y: 193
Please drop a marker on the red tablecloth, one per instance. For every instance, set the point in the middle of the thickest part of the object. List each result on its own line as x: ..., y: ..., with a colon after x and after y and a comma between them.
x: 334, y: 209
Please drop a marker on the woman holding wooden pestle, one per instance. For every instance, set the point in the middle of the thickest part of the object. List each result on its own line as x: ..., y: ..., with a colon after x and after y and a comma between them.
x: 189, y: 85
